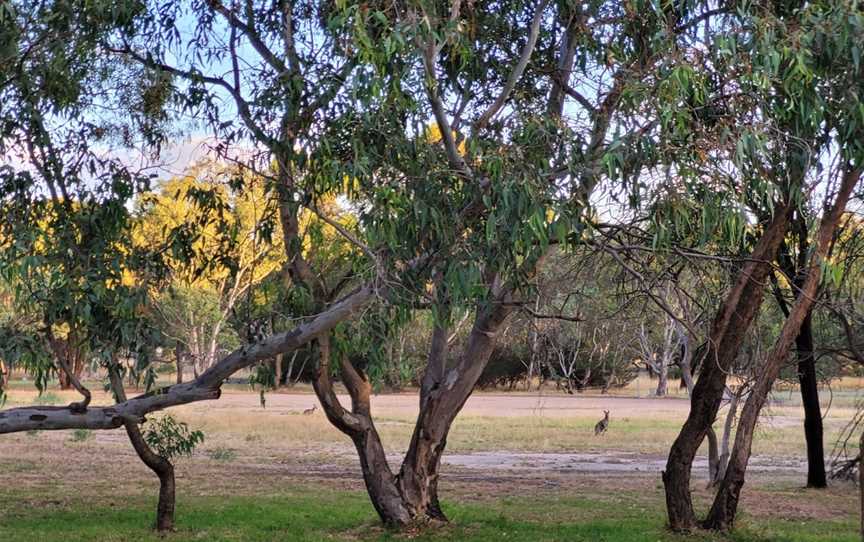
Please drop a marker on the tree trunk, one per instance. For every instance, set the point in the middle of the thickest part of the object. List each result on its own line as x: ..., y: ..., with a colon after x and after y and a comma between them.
x: 443, y: 394
x: 724, y: 509
x: 412, y: 496
x: 71, y: 362
x: 380, y: 482
x: 290, y: 370
x: 662, y: 378
x: 160, y: 466
x: 4, y: 375
x: 813, y: 433
x: 277, y: 371
x: 713, y: 458
x: 418, y: 477
x: 178, y: 353
x: 723, y: 460
x: 63, y: 380
x: 164, y: 470
x: 727, y: 334
x: 687, y: 376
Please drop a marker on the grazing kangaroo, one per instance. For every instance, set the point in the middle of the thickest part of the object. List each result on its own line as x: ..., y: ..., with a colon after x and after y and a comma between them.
x: 602, y: 425
x: 309, y: 411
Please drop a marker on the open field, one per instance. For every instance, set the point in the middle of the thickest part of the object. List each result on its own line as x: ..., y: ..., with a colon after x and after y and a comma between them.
x: 519, y: 464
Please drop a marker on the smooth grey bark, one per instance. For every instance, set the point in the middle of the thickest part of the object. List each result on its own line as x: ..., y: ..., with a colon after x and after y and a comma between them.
x: 723, y: 460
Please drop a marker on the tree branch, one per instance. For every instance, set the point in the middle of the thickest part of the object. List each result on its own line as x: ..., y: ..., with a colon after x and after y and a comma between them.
x: 250, y: 32
x: 205, y: 387
x: 189, y: 75
x: 517, y: 72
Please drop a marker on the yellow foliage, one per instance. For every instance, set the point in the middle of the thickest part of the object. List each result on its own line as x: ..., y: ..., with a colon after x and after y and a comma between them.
x: 256, y: 257
x: 244, y: 211
x: 433, y: 135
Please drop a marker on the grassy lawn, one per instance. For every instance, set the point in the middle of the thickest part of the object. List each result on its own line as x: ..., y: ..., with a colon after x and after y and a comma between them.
x: 275, y: 474
x: 312, y: 514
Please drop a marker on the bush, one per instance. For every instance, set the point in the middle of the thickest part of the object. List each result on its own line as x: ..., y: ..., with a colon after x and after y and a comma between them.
x: 170, y: 438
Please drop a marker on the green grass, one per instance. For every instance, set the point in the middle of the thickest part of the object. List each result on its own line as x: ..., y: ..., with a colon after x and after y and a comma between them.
x: 315, y: 515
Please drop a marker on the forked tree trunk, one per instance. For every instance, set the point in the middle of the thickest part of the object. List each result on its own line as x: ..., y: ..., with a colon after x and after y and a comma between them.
x: 727, y: 334
x: 411, y: 497
x: 442, y: 396
x: 357, y: 424
x: 160, y: 466
x: 724, y: 509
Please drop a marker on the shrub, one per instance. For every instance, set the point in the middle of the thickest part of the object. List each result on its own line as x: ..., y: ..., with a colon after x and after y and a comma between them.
x: 170, y: 438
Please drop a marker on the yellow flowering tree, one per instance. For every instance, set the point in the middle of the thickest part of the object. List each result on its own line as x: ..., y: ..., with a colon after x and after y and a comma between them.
x: 224, y: 239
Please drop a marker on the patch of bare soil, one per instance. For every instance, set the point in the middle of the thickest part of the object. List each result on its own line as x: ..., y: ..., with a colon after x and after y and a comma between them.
x: 613, y: 461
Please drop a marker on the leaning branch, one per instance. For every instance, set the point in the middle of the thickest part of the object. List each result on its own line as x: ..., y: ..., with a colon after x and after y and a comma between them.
x: 205, y: 387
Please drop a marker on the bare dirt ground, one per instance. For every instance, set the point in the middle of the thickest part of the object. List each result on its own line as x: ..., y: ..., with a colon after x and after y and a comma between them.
x: 502, y: 444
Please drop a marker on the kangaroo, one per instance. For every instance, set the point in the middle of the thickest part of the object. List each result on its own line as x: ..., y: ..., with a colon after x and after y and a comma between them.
x: 263, y: 399
x: 602, y: 425
x: 309, y: 411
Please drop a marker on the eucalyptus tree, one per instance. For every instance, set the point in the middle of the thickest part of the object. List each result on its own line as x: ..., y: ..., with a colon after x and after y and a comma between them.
x: 344, y: 107
x: 801, y: 97
x: 301, y: 77
x: 507, y: 173
x: 833, y: 97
